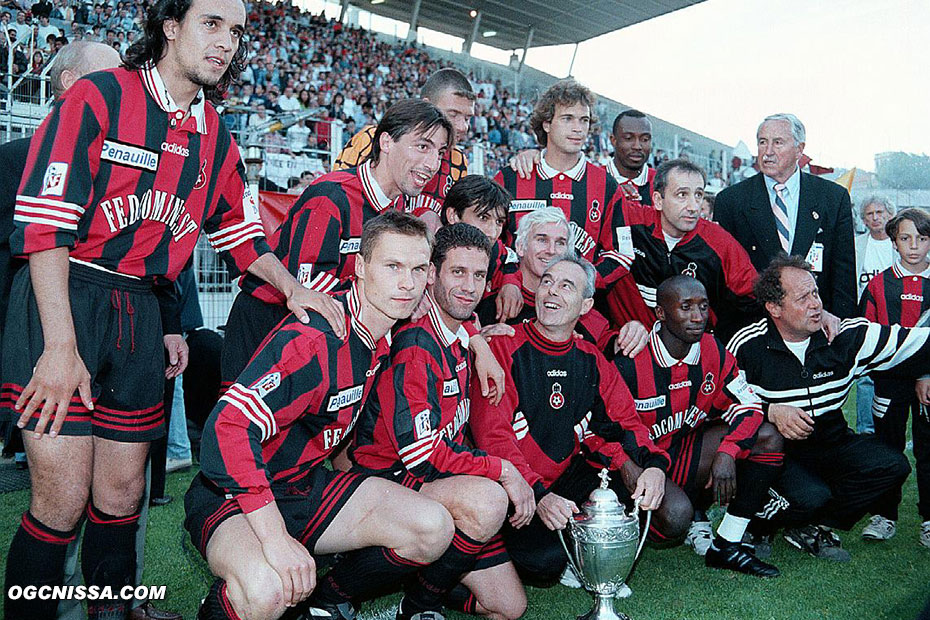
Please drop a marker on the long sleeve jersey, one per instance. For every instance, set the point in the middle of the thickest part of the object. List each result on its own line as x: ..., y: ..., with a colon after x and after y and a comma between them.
x: 673, y: 397
x: 418, y: 415
x: 454, y: 166
x: 320, y: 238
x: 821, y: 383
x: 296, y: 400
x: 708, y: 253
x: 122, y: 177
x: 560, y: 399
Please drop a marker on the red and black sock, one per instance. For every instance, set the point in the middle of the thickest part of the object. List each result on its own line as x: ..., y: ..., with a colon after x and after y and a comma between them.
x: 362, y: 575
x: 108, y: 558
x: 461, y: 599
x: 36, y: 558
x: 216, y: 605
x: 436, y: 580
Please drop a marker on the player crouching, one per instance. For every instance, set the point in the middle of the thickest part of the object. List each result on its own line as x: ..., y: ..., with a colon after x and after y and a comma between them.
x: 265, y: 502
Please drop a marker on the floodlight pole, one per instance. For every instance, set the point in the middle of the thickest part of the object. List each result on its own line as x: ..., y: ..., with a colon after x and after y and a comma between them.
x: 342, y: 12
x: 572, y: 65
x: 529, y: 42
x: 466, y: 49
x: 414, y: 18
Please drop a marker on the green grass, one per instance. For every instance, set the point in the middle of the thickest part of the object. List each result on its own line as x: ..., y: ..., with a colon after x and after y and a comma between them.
x: 884, y: 580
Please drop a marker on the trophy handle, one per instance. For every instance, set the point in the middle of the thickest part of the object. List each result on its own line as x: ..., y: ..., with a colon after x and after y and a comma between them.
x: 571, y: 559
x: 642, y: 540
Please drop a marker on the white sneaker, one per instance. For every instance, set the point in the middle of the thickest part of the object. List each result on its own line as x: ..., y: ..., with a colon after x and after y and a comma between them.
x: 879, y: 528
x: 925, y: 534
x: 570, y: 580
x: 699, y: 537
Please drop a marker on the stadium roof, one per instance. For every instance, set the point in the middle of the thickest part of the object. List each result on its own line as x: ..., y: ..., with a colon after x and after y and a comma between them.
x: 553, y: 23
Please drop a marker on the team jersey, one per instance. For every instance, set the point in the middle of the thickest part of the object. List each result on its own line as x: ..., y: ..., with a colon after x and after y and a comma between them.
x: 417, y: 417
x: 896, y: 297
x: 560, y: 399
x: 501, y: 268
x: 454, y: 166
x: 298, y: 397
x: 637, y: 189
x: 821, y: 384
x: 674, y: 397
x: 637, y: 246
x: 118, y: 175
x: 585, y: 193
x: 320, y: 238
x: 592, y: 326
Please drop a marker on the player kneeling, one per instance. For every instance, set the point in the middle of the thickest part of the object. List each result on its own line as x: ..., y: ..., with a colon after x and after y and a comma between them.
x: 265, y: 501
x: 414, y: 427
x: 564, y: 415
x: 698, y: 406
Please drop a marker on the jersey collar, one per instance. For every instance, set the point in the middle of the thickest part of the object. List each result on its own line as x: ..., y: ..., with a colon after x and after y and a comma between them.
x: 446, y: 336
x: 376, y: 196
x: 354, y: 303
x: 545, y: 171
x: 665, y: 359
x: 639, y: 181
x: 159, y: 92
x: 900, y: 272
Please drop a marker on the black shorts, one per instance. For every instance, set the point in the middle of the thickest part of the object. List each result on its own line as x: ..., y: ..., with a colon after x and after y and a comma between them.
x: 250, y: 320
x: 117, y: 324
x: 308, y: 506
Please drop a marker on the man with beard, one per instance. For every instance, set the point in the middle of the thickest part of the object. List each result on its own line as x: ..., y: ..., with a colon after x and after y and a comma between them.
x: 413, y: 431
x: 121, y: 177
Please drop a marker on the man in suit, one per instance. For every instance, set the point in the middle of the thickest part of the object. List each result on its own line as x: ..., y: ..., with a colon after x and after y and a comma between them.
x: 786, y: 210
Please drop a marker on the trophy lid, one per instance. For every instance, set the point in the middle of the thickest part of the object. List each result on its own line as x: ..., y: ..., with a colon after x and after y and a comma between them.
x: 603, y: 506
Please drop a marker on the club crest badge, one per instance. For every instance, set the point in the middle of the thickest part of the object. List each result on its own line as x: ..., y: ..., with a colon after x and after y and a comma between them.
x: 202, y: 177
x: 690, y: 270
x: 595, y: 213
x: 708, y: 386
x: 556, y: 398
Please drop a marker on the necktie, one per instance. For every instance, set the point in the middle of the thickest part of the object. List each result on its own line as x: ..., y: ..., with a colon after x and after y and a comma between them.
x: 780, y: 209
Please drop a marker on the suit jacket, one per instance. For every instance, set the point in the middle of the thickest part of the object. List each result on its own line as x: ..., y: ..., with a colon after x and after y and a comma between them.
x: 824, y: 216
x: 12, y: 163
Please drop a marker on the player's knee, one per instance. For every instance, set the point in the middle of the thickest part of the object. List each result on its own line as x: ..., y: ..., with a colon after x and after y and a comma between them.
x: 482, y: 516
x: 673, y: 518
x: 62, y: 511
x: 119, y: 495
x: 541, y: 565
x: 769, y: 439
x: 431, y: 531
x: 262, y: 595
x: 900, y: 468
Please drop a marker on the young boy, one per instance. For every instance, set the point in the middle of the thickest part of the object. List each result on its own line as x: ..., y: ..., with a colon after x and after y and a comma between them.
x: 900, y: 295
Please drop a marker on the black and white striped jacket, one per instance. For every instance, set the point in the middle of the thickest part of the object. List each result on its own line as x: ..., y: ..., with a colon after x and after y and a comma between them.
x: 821, y: 385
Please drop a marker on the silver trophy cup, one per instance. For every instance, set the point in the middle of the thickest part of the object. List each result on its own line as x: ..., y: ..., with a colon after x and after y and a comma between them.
x: 605, y: 543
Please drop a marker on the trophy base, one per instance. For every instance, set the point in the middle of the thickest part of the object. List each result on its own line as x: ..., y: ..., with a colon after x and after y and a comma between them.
x: 603, y: 610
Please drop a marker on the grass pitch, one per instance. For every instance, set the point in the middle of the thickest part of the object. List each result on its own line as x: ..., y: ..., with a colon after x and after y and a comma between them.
x: 884, y: 580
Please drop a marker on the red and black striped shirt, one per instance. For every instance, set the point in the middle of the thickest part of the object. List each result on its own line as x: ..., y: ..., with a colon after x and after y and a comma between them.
x: 321, y: 236
x: 674, y: 397
x: 586, y: 194
x: 560, y: 399
x: 118, y: 175
x: 417, y: 417
x: 298, y: 397
x: 896, y: 297
x: 638, y: 247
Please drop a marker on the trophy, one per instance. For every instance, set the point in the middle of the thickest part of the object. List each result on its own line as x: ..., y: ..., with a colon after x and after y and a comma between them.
x: 605, y: 545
